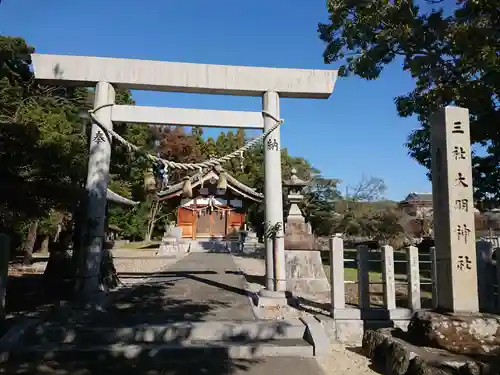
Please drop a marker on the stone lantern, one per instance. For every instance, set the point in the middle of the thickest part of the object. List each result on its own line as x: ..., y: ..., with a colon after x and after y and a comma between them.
x: 304, y: 268
x: 297, y: 232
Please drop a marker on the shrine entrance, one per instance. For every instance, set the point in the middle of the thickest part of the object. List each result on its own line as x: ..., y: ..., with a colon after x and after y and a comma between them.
x: 108, y: 73
x: 215, y: 210
x: 210, y: 225
x: 203, y: 224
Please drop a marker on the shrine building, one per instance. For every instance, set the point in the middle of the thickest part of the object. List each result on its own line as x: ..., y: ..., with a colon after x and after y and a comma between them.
x: 211, y: 204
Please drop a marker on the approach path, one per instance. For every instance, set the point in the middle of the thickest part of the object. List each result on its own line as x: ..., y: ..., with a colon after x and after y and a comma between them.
x: 199, y: 287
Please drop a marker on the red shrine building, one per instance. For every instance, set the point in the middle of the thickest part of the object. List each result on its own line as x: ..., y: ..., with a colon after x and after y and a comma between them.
x: 211, y: 204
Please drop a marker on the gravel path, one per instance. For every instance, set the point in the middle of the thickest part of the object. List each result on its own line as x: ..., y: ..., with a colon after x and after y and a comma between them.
x: 345, y: 360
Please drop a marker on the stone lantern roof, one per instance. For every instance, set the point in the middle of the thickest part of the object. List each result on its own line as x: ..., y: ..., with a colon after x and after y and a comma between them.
x: 295, y: 184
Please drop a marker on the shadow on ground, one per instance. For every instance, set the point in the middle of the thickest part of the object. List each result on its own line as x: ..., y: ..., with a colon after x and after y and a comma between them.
x: 130, y: 336
x: 196, y: 361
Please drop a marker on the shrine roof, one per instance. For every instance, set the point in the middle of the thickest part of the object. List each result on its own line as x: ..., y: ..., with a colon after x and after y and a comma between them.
x: 414, y: 196
x: 213, y: 174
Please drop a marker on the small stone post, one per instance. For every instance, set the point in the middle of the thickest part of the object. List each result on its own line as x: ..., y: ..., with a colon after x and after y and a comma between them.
x: 413, y: 275
x: 4, y: 270
x: 96, y: 187
x: 363, y: 277
x: 453, y: 210
x: 337, y: 273
x: 273, y: 196
x: 388, y: 277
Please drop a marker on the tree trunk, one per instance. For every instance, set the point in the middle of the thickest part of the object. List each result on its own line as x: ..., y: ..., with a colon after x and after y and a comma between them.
x: 44, y: 247
x: 4, y: 270
x: 58, y: 274
x: 109, y: 276
x: 30, y: 243
x: 155, y: 207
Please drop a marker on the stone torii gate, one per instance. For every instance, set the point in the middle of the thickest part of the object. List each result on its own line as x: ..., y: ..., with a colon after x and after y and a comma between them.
x: 107, y: 73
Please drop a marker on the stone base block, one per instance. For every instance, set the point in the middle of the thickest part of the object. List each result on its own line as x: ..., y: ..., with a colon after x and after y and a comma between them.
x: 316, y: 335
x: 349, y: 331
x: 266, y: 298
x: 348, y: 328
x: 305, y: 273
x: 399, y: 314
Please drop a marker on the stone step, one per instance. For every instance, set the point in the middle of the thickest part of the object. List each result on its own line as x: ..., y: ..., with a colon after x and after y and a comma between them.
x: 152, y: 351
x: 181, y: 332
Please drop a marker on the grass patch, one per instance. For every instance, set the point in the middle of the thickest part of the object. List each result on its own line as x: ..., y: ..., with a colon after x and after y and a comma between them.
x: 351, y: 274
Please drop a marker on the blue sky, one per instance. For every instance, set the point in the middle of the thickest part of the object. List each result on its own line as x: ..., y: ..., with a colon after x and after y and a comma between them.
x: 356, y: 132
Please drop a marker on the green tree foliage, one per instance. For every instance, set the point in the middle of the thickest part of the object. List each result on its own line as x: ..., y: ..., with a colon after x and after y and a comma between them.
x: 453, y: 58
x: 42, y: 142
x: 363, y: 213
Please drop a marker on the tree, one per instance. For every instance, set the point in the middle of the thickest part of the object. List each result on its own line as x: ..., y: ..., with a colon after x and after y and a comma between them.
x: 368, y: 189
x: 42, y: 142
x: 319, y: 204
x: 362, y: 212
x: 453, y: 58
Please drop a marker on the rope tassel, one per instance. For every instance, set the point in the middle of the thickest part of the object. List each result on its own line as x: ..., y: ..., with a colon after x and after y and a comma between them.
x: 222, y: 181
x: 187, y: 189
x: 149, y: 181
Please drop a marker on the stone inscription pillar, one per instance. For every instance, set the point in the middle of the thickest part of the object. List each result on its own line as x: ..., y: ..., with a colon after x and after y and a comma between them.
x: 96, y: 188
x: 453, y: 207
x: 273, y: 196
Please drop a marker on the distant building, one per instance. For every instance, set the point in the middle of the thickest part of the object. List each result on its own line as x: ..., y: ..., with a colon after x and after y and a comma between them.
x: 416, y: 204
x: 419, y: 206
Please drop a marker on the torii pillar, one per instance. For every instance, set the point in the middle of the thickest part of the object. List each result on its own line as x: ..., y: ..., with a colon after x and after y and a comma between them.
x: 273, y: 195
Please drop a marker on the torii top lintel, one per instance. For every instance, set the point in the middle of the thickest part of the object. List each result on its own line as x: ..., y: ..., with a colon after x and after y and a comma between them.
x: 183, y: 77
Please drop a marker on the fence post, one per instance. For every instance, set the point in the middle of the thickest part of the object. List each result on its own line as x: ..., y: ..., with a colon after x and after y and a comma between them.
x: 388, y: 277
x: 497, y: 267
x: 434, y: 277
x: 363, y: 277
x: 4, y: 270
x: 337, y: 273
x: 413, y: 275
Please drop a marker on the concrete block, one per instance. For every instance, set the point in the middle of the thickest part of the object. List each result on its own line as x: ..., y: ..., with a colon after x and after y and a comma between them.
x: 329, y: 326
x: 349, y: 314
x: 268, y: 298
x: 349, y: 331
x: 315, y: 335
x: 305, y: 273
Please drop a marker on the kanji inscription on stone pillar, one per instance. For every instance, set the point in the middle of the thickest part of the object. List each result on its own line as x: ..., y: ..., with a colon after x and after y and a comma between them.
x: 453, y: 210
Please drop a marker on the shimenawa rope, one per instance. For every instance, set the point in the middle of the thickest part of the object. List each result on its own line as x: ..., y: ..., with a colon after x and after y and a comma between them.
x: 186, y: 166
